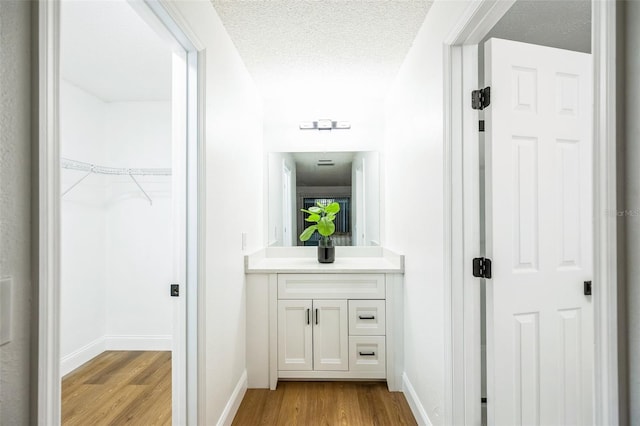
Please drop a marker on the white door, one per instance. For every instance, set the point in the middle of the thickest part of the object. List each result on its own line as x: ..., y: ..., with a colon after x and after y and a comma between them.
x: 539, y: 235
x: 330, y: 335
x: 294, y: 335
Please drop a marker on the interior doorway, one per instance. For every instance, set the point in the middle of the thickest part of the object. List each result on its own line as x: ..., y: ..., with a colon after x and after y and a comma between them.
x: 121, y: 124
x: 461, y: 65
x: 119, y: 199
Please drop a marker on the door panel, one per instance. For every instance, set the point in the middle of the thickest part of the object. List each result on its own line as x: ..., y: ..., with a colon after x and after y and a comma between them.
x: 539, y: 235
x: 294, y: 335
x: 330, y: 335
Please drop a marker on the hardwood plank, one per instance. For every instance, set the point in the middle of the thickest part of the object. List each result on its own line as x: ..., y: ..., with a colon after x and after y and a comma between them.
x: 326, y: 404
x: 119, y: 387
x: 117, y: 365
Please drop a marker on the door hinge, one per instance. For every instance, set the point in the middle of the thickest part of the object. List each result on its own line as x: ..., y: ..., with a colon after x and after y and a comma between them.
x: 481, y: 267
x: 175, y: 290
x: 481, y: 126
x: 587, y: 288
x: 480, y: 99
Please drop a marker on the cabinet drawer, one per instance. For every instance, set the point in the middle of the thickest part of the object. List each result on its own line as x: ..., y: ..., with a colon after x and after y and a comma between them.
x: 367, y: 353
x: 331, y: 286
x: 366, y: 318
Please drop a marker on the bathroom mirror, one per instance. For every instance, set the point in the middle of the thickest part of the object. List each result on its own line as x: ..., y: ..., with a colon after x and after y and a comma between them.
x: 300, y: 179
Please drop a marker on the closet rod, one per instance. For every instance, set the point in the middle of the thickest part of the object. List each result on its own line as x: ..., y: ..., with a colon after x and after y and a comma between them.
x: 92, y: 168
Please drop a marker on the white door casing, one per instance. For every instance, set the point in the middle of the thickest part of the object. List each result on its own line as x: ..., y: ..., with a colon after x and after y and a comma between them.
x: 48, y: 398
x: 539, y: 235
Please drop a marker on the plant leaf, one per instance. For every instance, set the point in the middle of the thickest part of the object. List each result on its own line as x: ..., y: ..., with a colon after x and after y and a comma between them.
x: 316, y: 210
x: 332, y: 208
x: 326, y: 227
x: 330, y: 216
x: 313, y: 218
x: 307, y: 233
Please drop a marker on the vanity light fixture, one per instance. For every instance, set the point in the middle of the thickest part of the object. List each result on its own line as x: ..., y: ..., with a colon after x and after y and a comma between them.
x: 324, y: 124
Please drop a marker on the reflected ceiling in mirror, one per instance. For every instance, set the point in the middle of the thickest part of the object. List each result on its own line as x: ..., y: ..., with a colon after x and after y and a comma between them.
x: 323, y: 168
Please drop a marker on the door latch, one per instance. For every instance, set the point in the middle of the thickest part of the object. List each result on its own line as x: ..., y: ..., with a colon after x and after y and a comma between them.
x: 175, y: 290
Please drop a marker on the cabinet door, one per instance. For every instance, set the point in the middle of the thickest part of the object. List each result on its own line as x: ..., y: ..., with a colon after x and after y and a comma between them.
x: 330, y: 335
x: 294, y: 335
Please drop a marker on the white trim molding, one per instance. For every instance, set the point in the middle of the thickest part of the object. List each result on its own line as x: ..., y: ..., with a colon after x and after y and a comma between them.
x: 81, y: 356
x: 48, y: 280
x: 230, y: 410
x: 414, y: 402
x: 138, y: 343
x: 605, y: 240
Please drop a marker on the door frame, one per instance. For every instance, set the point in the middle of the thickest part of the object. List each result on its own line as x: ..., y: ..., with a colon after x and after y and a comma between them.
x: 188, y: 404
x: 462, y: 211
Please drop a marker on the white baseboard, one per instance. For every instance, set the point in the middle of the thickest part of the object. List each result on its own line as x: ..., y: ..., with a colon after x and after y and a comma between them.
x: 138, y: 343
x: 414, y: 403
x: 233, y: 404
x: 75, y: 359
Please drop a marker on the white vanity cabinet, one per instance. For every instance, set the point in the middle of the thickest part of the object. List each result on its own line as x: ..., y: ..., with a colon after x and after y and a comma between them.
x: 312, y: 335
x: 330, y: 334
x: 340, y: 322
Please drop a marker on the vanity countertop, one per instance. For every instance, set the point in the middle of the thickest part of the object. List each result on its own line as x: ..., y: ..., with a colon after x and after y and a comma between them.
x: 349, y: 260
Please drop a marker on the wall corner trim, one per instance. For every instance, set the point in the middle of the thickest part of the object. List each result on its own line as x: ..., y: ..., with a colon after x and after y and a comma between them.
x: 82, y: 355
x: 414, y: 402
x: 230, y: 410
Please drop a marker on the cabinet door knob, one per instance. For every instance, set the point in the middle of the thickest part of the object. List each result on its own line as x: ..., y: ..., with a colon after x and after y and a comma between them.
x: 308, y: 316
x: 316, y: 316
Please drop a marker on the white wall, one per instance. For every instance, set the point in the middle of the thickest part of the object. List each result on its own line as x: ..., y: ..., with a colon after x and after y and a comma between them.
x: 83, y: 230
x: 116, y: 259
x: 413, y: 169
x: 234, y: 204
x: 15, y: 192
x: 282, y: 119
x: 138, y: 239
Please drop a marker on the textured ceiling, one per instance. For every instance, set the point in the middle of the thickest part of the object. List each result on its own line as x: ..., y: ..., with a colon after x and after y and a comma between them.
x: 304, y: 47
x: 108, y: 50
x: 564, y: 24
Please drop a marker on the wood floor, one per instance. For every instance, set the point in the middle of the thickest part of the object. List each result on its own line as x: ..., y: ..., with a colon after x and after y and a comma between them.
x: 324, y: 403
x: 119, y: 388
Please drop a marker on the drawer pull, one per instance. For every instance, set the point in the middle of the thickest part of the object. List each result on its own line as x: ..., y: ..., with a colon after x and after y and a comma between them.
x: 366, y: 317
x: 367, y: 353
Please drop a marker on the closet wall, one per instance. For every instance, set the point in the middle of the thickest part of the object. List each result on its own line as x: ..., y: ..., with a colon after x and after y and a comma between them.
x: 116, y: 247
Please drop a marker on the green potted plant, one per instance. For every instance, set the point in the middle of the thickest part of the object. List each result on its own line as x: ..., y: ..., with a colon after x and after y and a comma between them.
x: 322, y: 216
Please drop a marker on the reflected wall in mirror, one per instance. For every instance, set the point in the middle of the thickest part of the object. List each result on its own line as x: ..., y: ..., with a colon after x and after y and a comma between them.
x: 301, y: 179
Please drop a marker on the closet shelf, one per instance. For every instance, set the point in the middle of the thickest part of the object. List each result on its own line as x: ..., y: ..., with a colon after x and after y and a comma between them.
x: 66, y: 163
x: 93, y: 168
